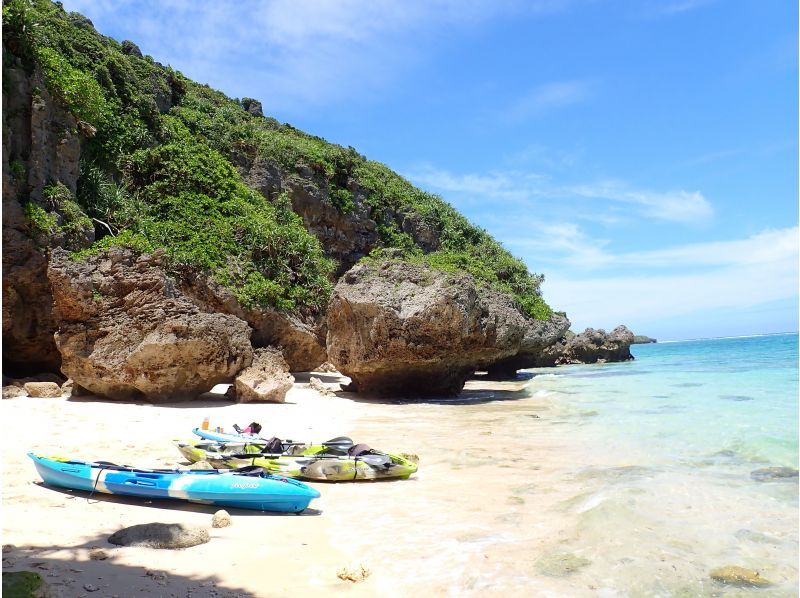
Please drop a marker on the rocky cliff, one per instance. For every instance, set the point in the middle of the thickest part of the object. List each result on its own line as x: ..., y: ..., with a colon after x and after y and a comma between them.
x: 119, y: 174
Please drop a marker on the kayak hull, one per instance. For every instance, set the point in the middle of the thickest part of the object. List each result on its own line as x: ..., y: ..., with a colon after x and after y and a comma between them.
x: 308, y: 466
x: 222, y: 488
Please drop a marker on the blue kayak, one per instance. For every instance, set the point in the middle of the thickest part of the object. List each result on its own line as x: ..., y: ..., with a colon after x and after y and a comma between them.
x: 248, y: 488
x: 224, y: 437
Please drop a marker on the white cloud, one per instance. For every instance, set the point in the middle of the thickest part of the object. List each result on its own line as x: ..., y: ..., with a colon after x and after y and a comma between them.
x: 545, y: 98
x: 294, y: 54
x: 681, y: 206
x: 687, y: 207
x: 737, y: 274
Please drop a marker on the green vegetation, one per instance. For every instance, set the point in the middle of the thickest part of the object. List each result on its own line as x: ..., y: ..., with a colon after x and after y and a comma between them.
x: 42, y: 224
x: 159, y: 172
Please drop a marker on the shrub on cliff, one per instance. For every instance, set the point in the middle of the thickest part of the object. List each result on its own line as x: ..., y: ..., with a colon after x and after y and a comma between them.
x: 160, y: 164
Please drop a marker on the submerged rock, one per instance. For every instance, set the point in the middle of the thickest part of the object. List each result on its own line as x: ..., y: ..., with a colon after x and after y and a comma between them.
x: 126, y: 332
x: 560, y: 564
x: 267, y: 379
x: 160, y: 535
x: 400, y: 329
x: 739, y: 576
x: 772, y: 474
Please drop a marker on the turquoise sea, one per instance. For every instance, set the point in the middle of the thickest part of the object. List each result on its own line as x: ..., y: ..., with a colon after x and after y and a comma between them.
x: 677, y: 448
x: 611, y: 480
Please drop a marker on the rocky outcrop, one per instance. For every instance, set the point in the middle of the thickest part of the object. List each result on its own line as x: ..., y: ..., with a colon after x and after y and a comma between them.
x: 266, y: 380
x: 40, y: 147
x: 301, y: 338
x: 396, y: 328
x: 126, y: 332
x: 641, y: 339
x: 590, y: 346
x: 539, y: 336
x: 346, y: 237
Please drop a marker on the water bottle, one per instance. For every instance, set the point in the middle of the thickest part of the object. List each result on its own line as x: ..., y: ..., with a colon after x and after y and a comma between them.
x: 205, y: 423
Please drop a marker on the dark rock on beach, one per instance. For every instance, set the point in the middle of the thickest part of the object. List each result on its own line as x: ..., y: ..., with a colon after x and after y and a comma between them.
x: 126, y: 332
x: 160, y: 535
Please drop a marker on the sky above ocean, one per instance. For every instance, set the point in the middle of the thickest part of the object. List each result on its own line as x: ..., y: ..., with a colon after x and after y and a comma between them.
x: 641, y: 154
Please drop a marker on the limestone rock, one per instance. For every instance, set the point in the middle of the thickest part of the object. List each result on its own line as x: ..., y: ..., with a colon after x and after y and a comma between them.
x: 221, y: 519
x: 160, y: 535
x: 539, y: 336
x: 316, y: 384
x: 327, y: 368
x: 12, y: 392
x: 396, y: 328
x: 590, y: 346
x: 267, y: 379
x: 301, y: 338
x: 43, y: 377
x: 125, y: 331
x: 739, y: 576
x: 97, y: 554
x: 355, y: 573
x: 252, y: 106
x: 48, y: 390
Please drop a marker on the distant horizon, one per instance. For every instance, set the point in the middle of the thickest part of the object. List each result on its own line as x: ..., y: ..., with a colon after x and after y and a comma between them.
x: 719, y: 338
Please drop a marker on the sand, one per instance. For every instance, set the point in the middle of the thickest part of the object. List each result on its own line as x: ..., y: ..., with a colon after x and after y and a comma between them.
x: 482, y: 509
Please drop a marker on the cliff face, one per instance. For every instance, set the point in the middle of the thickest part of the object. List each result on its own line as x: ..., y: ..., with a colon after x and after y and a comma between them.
x: 40, y: 146
x: 236, y: 215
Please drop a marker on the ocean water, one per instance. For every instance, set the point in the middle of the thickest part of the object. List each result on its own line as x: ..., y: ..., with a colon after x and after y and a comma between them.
x: 677, y: 447
x: 629, y: 479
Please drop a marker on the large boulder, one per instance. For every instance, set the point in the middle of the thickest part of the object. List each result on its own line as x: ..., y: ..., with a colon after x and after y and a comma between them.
x: 300, y: 337
x: 126, y: 332
x: 396, y: 328
x: 266, y: 380
x: 590, y: 346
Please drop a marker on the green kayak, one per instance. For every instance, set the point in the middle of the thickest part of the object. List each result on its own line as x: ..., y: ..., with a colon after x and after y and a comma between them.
x: 333, y: 461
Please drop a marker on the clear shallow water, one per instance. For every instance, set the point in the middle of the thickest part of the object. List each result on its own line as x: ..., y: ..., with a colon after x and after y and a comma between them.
x: 688, y: 402
x: 629, y: 479
x: 671, y: 441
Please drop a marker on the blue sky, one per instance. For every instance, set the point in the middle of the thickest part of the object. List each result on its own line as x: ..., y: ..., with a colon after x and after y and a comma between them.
x: 641, y: 154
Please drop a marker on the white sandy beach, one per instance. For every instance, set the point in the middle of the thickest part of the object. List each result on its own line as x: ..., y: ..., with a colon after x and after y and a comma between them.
x: 436, y: 533
x: 512, y: 498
